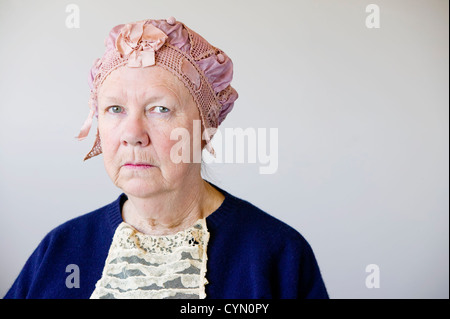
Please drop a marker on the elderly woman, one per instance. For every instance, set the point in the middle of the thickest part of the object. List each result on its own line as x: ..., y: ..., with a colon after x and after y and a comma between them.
x: 170, y: 234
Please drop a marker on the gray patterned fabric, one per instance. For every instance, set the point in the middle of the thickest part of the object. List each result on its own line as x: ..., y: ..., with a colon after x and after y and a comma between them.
x: 157, y: 267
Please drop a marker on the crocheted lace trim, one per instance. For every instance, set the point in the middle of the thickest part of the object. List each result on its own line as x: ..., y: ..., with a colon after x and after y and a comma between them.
x: 141, y: 266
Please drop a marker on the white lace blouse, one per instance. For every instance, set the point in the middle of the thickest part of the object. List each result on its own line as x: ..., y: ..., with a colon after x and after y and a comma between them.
x: 144, y: 266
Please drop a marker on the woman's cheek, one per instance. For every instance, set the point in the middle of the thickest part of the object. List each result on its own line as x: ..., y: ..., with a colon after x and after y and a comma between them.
x: 165, y: 145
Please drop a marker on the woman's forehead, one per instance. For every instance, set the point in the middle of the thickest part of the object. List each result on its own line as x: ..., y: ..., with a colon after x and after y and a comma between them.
x: 141, y: 81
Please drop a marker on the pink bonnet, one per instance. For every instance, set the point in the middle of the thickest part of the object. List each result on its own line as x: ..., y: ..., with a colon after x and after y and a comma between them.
x: 204, y: 69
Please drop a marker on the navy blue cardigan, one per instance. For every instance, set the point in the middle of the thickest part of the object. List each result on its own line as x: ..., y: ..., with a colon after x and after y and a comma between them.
x: 250, y: 255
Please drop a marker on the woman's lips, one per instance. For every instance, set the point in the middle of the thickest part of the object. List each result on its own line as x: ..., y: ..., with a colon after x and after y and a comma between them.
x: 138, y: 165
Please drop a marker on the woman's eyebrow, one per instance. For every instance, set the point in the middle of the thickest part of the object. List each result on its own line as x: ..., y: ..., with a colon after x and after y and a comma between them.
x: 150, y: 98
x: 111, y: 98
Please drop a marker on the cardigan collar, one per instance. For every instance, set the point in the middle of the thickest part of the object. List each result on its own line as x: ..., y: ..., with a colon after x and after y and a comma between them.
x: 114, y: 210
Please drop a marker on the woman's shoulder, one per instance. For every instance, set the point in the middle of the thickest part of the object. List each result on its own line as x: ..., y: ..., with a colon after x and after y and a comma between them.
x: 243, y: 218
x: 82, y: 241
x: 101, y: 221
x: 266, y: 256
x: 267, y: 225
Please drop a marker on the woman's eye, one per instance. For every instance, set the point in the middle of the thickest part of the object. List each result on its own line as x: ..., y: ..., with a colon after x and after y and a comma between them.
x: 161, y: 109
x: 115, y: 109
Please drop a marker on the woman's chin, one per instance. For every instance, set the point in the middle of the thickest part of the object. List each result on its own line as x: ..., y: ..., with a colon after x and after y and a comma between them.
x: 139, y: 188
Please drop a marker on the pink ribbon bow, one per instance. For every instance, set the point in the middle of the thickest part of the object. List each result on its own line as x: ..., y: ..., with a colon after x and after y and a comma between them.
x: 138, y: 42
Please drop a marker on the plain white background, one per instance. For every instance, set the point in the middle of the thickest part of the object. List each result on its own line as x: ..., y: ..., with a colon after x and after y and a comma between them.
x: 362, y: 116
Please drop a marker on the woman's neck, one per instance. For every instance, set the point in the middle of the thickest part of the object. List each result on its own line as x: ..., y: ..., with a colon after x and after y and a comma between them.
x: 170, y: 212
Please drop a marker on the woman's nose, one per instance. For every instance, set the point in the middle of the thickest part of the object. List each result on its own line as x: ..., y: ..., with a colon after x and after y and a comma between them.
x: 135, y: 132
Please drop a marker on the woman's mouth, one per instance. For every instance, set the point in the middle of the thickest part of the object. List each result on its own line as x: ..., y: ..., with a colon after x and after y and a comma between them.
x: 138, y: 165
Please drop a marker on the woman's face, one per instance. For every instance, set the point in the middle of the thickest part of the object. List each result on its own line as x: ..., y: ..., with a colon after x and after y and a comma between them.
x: 137, y: 110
